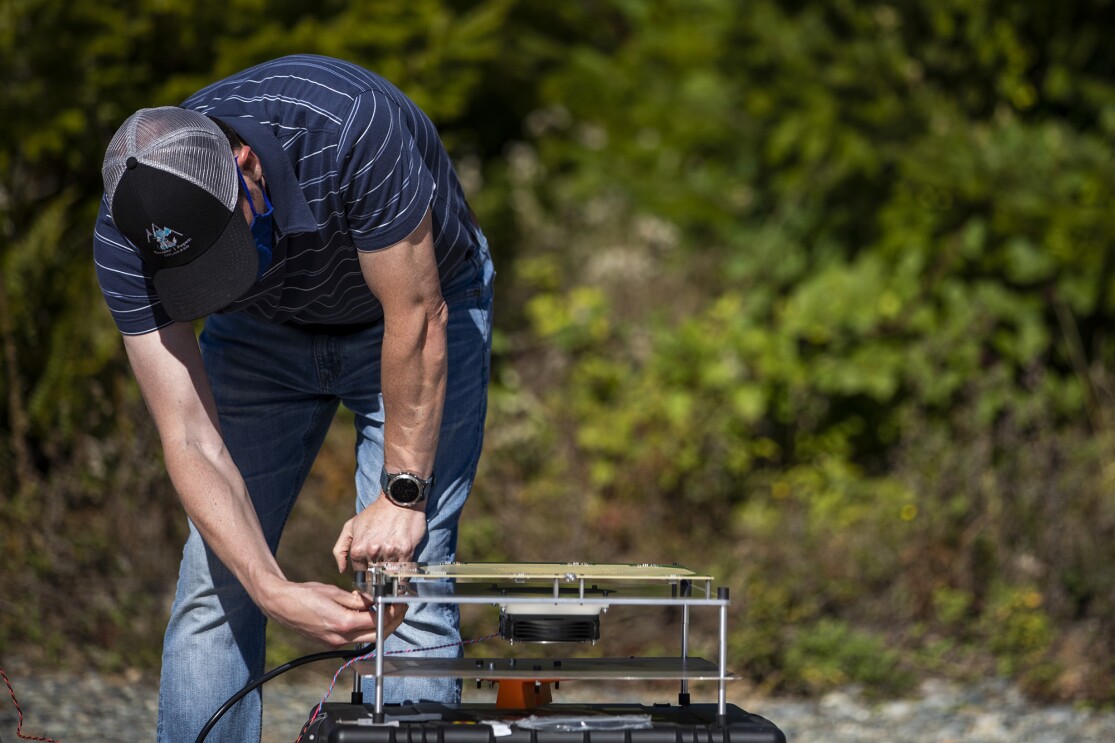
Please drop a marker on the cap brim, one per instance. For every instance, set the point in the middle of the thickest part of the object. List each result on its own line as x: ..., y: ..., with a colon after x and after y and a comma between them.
x: 213, y: 280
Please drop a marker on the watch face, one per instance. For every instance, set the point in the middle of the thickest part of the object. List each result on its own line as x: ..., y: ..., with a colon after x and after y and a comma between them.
x: 405, y: 490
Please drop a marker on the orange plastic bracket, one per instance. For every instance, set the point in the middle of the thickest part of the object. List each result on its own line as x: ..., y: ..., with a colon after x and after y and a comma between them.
x: 523, y: 694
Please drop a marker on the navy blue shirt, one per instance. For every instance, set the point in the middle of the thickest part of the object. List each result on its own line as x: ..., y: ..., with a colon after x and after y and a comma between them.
x: 350, y: 163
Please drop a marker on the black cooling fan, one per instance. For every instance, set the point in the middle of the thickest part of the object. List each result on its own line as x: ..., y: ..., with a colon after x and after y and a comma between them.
x: 542, y: 623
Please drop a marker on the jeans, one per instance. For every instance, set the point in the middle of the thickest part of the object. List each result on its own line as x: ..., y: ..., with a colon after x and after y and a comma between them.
x: 277, y: 389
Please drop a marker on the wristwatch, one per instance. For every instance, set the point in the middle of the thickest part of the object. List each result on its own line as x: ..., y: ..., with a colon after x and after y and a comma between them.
x: 405, y: 488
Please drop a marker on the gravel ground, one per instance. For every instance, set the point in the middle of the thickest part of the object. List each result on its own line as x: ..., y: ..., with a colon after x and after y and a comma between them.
x: 94, y: 709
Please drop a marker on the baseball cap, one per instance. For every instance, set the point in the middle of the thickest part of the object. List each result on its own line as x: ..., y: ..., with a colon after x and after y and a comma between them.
x: 173, y: 191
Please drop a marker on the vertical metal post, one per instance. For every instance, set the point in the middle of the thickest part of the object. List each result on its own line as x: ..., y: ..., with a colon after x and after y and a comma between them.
x: 683, y: 692
x: 381, y: 591
x: 357, y: 690
x: 721, y: 699
x: 361, y: 581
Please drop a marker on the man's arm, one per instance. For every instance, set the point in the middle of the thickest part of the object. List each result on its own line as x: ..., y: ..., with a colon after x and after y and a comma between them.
x: 167, y: 364
x: 404, y: 277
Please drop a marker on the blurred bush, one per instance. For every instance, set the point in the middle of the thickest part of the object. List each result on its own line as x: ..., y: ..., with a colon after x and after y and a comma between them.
x: 813, y: 296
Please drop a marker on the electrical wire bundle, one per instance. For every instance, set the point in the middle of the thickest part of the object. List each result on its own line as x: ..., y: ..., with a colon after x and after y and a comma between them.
x: 19, y: 712
x: 351, y: 656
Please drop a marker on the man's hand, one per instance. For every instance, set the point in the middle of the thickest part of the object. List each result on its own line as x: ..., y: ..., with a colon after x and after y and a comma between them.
x: 328, y: 614
x: 382, y: 532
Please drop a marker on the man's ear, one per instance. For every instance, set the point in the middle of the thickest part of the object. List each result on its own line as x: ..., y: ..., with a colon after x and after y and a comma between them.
x: 249, y: 163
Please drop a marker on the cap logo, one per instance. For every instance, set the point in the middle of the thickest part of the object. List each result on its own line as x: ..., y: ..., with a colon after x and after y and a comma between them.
x: 166, y: 241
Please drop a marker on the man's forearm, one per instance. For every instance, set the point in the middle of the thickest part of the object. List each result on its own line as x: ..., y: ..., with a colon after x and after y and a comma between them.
x: 171, y: 375
x: 214, y: 497
x: 413, y: 375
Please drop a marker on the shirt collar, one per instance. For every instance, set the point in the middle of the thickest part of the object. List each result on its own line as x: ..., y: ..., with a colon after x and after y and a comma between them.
x: 292, y: 213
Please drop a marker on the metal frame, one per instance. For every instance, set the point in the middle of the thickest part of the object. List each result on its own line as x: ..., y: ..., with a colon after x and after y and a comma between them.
x: 381, y: 583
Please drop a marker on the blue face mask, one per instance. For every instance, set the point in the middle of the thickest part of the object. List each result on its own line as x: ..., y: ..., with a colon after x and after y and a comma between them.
x: 262, y: 227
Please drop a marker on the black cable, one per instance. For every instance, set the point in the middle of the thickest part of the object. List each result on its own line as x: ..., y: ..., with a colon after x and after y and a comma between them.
x: 279, y: 670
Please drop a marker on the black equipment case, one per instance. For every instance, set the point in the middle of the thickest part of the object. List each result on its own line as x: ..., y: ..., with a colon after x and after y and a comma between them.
x: 486, y: 723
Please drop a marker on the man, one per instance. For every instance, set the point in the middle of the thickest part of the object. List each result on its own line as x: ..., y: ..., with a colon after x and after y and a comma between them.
x: 308, y: 210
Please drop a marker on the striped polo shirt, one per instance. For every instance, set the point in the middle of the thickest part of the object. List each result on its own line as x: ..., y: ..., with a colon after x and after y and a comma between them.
x: 351, y: 164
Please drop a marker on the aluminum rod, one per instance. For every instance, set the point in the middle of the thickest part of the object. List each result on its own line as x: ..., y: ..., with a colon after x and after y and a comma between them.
x: 685, y: 590
x: 492, y: 600
x: 380, y: 605
x: 721, y: 698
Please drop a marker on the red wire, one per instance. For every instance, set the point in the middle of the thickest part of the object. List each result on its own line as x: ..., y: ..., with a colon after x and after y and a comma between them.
x: 19, y: 711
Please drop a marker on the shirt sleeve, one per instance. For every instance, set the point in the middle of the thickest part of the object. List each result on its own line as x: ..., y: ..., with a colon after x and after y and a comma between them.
x: 386, y: 186
x: 125, y: 284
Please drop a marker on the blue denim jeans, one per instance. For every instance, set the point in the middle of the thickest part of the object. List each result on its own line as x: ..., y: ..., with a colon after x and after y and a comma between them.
x: 277, y: 389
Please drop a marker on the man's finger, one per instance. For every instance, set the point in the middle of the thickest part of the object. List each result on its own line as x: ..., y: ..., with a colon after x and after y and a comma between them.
x: 341, y: 548
x: 362, y: 628
x: 351, y: 600
x: 367, y: 602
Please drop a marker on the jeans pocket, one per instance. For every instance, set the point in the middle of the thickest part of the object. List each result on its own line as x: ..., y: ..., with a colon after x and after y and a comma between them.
x: 468, y: 282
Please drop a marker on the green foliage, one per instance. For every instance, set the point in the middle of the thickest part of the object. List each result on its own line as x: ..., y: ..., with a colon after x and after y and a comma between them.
x: 830, y: 654
x: 811, y: 295
x: 1019, y: 630
x: 79, y: 458
x: 817, y: 293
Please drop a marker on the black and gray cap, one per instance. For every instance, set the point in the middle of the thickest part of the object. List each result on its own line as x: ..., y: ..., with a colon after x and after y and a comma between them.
x: 173, y: 191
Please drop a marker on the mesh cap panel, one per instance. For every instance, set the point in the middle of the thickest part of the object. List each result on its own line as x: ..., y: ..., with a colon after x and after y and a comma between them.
x: 181, y: 142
